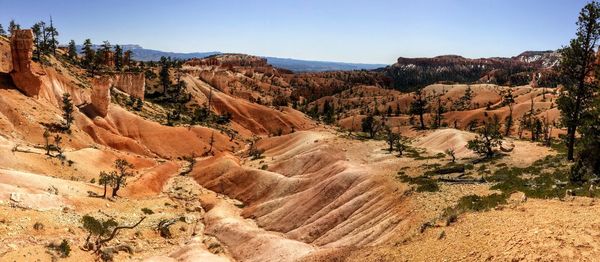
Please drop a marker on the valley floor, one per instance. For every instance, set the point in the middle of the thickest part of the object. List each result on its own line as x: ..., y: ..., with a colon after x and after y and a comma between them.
x: 316, y: 195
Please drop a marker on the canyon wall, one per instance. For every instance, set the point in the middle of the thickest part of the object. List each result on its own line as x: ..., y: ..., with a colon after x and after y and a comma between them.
x: 5, y: 56
x: 133, y: 84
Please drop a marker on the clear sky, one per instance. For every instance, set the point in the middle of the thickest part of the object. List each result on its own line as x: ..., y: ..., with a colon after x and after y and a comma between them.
x: 375, y: 31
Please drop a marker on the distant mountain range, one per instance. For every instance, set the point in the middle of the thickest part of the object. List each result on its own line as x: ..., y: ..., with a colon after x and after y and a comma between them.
x: 296, y: 65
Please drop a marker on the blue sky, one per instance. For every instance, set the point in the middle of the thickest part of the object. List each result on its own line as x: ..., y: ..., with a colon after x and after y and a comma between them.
x: 375, y: 31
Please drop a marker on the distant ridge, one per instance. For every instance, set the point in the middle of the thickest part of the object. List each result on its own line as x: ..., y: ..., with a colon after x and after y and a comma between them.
x: 296, y: 65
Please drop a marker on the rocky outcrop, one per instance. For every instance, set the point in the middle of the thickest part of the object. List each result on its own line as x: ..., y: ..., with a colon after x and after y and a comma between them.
x: 5, y: 56
x: 230, y: 60
x: 101, y: 95
x: 109, y: 59
x: 23, y: 74
x: 134, y: 84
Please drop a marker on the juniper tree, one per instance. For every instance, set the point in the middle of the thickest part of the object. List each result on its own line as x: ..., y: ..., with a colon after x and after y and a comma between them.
x: 100, y: 232
x: 106, y: 179
x: 488, y: 138
x: 121, y: 173
x: 577, y: 65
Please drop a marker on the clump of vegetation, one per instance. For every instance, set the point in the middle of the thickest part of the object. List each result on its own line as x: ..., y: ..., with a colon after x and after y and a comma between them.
x: 67, y: 111
x: 424, y: 183
x: 117, y: 178
x: 451, y: 153
x: 254, y: 152
x: 473, y: 203
x: 488, y: 138
x: 147, y: 211
x: 419, y: 107
x: 38, y: 226
x: 63, y: 249
x: 371, y: 126
x: 100, y: 232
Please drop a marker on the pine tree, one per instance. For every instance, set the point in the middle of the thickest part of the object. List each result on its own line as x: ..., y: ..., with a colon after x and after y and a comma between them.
x: 72, y: 52
x: 419, y: 107
x: 328, y: 112
x: 12, y: 26
x: 508, y: 100
x: 89, y: 54
x: 587, y: 165
x: 576, y: 68
x: 52, y: 41
x: 38, y: 33
x: 106, y: 46
x: 165, y: 78
x: 370, y: 125
x: 464, y: 102
x: 118, y: 57
x: 2, y: 32
x: 439, y: 111
x: 67, y: 110
x: 127, y: 58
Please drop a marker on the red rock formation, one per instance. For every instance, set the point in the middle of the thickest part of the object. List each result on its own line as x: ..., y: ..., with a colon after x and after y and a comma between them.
x: 109, y: 59
x: 5, y: 56
x: 133, y: 84
x: 22, y: 74
x: 101, y: 95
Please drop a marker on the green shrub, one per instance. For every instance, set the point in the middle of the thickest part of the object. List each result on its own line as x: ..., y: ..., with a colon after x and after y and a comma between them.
x: 64, y: 248
x: 424, y: 183
x: 147, y: 211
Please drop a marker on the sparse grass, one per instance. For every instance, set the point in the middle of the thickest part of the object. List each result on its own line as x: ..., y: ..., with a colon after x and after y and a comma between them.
x: 472, y: 203
x: 424, y: 183
x: 481, y: 203
x: 545, y: 178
